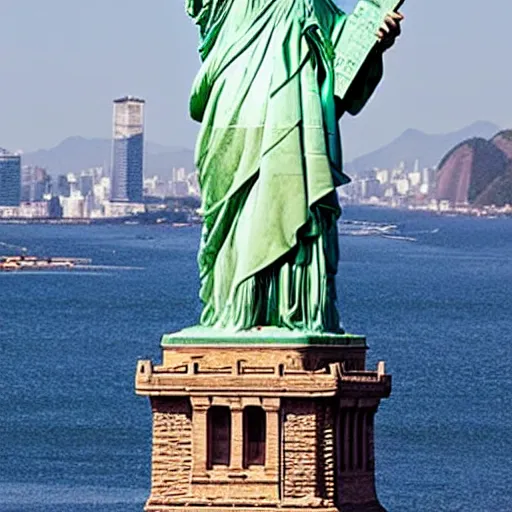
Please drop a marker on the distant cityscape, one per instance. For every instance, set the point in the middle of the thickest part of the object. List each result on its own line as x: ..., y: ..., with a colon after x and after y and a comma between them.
x: 396, y: 187
x: 475, y: 178
x: 412, y: 189
x: 115, y: 192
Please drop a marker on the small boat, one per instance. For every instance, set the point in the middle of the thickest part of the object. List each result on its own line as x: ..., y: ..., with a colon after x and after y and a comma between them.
x: 20, y: 263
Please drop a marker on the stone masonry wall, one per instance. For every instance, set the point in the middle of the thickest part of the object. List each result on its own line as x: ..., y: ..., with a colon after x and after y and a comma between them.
x: 309, y: 467
x: 172, y: 449
x: 300, y: 461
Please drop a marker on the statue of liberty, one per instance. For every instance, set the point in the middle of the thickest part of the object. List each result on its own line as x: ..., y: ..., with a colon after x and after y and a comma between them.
x: 269, y: 158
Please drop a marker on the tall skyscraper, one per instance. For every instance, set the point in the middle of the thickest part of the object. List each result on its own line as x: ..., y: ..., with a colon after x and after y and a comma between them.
x: 10, y: 178
x: 128, y: 150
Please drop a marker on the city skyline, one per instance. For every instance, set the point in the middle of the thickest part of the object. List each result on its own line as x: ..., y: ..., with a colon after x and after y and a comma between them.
x: 109, y: 191
x: 441, y: 95
x: 122, y: 188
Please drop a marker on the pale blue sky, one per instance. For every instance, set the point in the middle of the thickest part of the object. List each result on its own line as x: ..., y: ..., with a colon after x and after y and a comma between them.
x: 63, y: 61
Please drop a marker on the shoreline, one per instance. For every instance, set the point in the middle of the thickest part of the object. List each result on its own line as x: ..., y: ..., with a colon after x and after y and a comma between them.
x: 97, y: 222
x: 460, y: 211
x: 456, y: 211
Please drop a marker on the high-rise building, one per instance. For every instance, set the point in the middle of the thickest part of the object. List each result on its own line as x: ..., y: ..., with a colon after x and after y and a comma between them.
x: 128, y: 150
x: 10, y: 178
x: 63, y: 188
x: 35, y: 183
x: 86, y: 184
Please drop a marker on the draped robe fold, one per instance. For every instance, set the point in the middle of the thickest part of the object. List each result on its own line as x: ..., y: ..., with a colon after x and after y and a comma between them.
x: 269, y: 160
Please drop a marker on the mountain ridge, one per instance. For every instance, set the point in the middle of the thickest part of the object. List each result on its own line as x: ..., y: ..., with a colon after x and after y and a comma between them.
x: 415, y: 144
x: 477, y: 171
x: 77, y: 153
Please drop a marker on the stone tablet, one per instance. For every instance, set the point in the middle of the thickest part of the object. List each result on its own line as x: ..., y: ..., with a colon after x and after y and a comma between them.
x: 358, y: 38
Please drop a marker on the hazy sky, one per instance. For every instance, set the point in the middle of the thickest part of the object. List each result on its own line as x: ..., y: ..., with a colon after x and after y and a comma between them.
x: 63, y: 61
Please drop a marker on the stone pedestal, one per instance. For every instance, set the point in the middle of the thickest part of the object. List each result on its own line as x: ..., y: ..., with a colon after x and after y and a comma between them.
x: 265, y: 420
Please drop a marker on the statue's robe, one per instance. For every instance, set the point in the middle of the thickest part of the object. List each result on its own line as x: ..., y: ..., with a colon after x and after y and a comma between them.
x: 269, y: 160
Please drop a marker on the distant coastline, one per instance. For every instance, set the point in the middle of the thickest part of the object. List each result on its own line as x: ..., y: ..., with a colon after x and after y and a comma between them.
x: 444, y: 210
x: 87, y: 222
x: 456, y: 211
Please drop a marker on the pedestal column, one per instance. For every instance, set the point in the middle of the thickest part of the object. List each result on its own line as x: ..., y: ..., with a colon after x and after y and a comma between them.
x: 200, y: 406
x: 271, y: 407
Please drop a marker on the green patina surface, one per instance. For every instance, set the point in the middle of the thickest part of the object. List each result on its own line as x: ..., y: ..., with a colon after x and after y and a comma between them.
x: 199, y: 335
x: 276, y: 76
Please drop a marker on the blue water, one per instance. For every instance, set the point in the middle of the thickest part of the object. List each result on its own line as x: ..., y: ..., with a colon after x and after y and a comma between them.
x: 74, y: 437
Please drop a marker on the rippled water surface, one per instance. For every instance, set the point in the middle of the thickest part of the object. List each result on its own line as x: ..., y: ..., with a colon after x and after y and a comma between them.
x: 74, y: 437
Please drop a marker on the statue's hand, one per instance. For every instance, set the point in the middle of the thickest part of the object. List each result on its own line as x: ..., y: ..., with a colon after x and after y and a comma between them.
x: 390, y: 30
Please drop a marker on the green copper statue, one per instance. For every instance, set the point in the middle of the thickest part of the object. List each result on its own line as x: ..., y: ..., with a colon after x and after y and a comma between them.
x: 269, y: 96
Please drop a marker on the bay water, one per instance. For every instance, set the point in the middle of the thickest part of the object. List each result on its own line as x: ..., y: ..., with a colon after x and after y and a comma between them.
x: 435, y: 305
